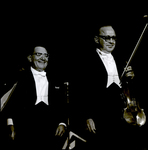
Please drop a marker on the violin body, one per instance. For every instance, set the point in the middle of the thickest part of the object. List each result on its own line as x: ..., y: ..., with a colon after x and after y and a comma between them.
x: 134, y: 118
x: 133, y: 114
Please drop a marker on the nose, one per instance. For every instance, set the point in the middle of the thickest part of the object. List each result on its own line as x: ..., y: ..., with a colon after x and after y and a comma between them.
x: 112, y: 40
x: 43, y: 57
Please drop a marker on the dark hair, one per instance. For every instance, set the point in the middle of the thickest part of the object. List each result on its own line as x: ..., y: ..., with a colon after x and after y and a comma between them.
x: 31, y: 47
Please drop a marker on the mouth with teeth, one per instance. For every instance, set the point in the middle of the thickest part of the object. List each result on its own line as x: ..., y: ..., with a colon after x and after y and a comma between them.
x: 41, y: 64
x: 41, y: 61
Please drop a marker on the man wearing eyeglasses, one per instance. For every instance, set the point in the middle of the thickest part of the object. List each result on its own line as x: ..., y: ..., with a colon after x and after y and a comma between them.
x: 35, y: 111
x: 106, y: 39
x: 104, y: 104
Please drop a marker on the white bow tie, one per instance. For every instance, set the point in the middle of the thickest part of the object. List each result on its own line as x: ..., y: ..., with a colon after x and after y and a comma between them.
x: 109, y: 57
x: 35, y: 72
x: 43, y: 74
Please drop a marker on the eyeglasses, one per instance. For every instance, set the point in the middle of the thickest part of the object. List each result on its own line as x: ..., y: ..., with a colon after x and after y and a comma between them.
x: 108, y: 38
x: 40, y: 54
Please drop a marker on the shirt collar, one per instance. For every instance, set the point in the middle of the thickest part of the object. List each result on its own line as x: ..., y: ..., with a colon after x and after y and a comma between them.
x: 104, y: 55
x: 35, y: 72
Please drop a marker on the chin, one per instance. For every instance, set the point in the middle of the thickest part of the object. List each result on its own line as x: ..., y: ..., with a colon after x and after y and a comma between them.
x: 110, y: 49
x: 42, y: 67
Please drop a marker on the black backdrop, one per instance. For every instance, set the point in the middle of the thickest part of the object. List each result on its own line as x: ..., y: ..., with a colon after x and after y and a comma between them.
x: 66, y: 30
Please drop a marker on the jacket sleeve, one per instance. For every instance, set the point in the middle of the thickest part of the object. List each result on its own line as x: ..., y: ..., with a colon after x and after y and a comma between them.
x: 13, y: 105
x: 59, y: 104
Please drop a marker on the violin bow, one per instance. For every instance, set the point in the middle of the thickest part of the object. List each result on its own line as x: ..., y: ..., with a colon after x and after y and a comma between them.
x: 134, y: 51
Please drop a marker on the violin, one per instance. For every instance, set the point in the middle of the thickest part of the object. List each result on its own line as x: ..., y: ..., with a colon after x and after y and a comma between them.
x: 132, y: 114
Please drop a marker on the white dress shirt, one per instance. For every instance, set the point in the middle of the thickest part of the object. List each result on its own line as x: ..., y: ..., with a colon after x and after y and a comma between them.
x: 41, y: 83
x: 111, y: 68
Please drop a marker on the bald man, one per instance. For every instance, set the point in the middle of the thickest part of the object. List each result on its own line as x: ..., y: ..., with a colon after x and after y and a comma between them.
x: 103, y: 102
x: 35, y: 111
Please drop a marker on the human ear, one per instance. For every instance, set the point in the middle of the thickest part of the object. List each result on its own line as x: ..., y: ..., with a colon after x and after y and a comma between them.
x: 29, y: 58
x: 96, y: 39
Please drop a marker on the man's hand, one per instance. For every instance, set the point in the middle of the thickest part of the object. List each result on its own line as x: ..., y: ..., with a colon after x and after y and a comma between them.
x: 11, y: 132
x: 60, y: 130
x: 129, y: 72
x: 91, y: 125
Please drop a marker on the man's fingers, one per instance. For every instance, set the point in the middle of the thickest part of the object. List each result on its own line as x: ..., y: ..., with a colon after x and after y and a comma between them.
x: 91, y: 126
x: 129, y: 68
x: 130, y: 74
x: 13, y: 135
x: 61, y: 134
x: 57, y: 132
x: 60, y: 131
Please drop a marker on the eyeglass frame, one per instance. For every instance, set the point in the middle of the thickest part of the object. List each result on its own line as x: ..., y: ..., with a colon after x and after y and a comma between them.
x: 108, y: 38
x: 41, y: 54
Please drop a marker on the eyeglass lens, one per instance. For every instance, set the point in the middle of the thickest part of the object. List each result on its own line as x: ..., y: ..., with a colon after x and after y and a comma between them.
x: 40, y: 54
x: 108, y: 38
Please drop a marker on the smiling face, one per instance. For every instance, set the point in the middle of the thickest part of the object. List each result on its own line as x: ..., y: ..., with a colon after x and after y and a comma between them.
x: 39, y: 58
x: 106, y: 46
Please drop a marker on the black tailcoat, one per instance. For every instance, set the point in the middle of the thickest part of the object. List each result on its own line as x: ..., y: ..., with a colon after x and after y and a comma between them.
x: 103, y: 105
x: 36, y: 124
x: 98, y: 97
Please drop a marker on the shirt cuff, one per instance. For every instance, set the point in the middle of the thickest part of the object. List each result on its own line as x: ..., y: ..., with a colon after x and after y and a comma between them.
x: 63, y: 124
x: 9, y: 121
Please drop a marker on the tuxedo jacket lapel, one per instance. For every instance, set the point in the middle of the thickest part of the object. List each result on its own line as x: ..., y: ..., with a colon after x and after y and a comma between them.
x: 119, y: 63
x: 100, y: 72
x: 49, y: 88
x: 30, y: 87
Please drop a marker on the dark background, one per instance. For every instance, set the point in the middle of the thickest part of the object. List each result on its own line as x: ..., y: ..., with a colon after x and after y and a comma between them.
x: 66, y: 30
